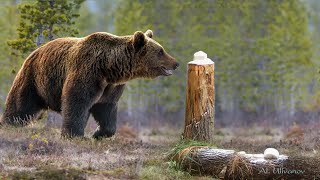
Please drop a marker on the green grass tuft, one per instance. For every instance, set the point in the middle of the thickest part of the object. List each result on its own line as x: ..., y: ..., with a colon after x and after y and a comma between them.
x: 183, y: 144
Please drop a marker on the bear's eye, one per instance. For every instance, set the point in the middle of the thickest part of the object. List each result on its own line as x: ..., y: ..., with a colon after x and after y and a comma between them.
x: 161, y: 52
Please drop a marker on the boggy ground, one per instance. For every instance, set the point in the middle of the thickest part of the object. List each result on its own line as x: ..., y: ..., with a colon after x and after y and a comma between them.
x: 38, y: 152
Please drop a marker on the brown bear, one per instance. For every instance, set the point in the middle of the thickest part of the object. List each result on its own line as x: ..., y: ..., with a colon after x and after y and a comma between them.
x: 82, y: 76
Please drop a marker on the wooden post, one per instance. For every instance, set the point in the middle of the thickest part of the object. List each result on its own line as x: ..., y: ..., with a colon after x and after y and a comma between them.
x: 200, y: 98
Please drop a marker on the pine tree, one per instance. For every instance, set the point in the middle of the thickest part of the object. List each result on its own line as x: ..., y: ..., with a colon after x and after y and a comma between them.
x: 8, y: 24
x: 42, y: 21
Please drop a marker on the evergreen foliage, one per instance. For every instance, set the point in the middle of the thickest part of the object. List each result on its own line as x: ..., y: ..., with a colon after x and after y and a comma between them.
x: 262, y: 52
x: 42, y: 21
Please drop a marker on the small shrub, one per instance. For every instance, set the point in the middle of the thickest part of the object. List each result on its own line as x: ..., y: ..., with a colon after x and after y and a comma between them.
x: 295, y: 131
x: 295, y: 135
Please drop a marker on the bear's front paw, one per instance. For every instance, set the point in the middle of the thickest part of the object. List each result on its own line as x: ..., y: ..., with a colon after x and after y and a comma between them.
x: 102, y: 134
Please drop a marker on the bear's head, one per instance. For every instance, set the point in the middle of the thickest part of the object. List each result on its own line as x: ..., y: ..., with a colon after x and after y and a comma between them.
x: 153, y: 60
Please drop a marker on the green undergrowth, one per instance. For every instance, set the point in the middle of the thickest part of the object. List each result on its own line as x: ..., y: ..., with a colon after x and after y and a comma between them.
x: 183, y: 144
x: 167, y: 167
x: 160, y: 169
x: 164, y: 169
x: 49, y: 174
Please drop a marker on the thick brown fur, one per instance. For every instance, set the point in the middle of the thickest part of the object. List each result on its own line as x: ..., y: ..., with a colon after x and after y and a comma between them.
x: 79, y: 76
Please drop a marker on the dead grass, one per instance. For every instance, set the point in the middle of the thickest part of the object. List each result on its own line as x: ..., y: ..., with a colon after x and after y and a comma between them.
x: 38, y: 152
x: 236, y: 165
x: 296, y: 140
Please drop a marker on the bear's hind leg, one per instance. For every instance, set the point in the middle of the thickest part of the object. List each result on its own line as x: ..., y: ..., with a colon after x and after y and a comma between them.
x: 22, y: 105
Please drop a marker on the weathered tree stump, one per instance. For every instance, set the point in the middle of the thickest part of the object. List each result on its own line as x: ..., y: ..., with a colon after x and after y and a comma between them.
x: 228, y: 164
x: 199, y: 118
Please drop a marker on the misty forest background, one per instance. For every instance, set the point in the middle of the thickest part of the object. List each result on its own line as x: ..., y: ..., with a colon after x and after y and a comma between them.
x: 266, y: 53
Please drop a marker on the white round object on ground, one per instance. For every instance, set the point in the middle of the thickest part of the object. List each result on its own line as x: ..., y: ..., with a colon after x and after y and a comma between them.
x: 271, y: 153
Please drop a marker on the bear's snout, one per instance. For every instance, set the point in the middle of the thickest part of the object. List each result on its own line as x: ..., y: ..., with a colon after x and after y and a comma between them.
x: 171, y: 62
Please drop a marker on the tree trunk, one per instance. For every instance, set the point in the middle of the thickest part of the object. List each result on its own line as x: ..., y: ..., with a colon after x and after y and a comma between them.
x: 227, y: 164
x: 50, y: 28
x: 199, y: 118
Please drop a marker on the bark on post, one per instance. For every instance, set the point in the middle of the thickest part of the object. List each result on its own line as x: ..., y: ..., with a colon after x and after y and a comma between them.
x: 200, y: 98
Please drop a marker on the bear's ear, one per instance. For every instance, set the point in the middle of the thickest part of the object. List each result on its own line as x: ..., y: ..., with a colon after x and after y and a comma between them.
x: 149, y: 33
x: 139, y: 40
